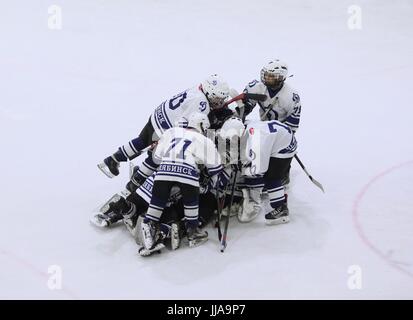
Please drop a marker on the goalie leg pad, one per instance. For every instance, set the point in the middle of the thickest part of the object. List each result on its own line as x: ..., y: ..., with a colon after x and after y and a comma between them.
x: 251, y: 205
x: 143, y: 252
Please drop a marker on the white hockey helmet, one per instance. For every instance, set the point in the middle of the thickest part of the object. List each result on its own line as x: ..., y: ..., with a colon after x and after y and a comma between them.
x: 233, y: 127
x: 274, y: 73
x: 198, y: 121
x: 216, y: 90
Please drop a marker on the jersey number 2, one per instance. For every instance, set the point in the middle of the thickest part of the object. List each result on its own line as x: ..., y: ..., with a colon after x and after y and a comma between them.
x: 272, y: 126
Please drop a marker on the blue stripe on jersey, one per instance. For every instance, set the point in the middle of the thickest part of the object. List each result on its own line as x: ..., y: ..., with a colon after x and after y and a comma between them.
x: 292, y: 126
x: 216, y: 167
x: 191, y: 207
x: 291, y: 148
x: 146, y: 192
x: 191, y: 217
x: 181, y: 166
x: 275, y: 189
x: 166, y: 116
x: 277, y: 199
x: 160, y: 174
x: 153, y: 218
x: 293, y: 120
x: 273, y: 184
x: 216, y: 170
x: 142, y: 174
x: 254, y: 182
x: 160, y: 118
x: 149, y: 164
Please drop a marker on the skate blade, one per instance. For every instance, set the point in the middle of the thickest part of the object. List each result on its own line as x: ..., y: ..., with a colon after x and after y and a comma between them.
x: 196, y: 243
x: 272, y: 222
x: 104, y: 168
x: 105, y: 207
x: 98, y: 222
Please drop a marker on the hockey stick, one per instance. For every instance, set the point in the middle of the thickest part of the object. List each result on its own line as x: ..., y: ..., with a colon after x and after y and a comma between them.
x: 224, y: 236
x: 219, y: 210
x: 220, y: 205
x: 318, y: 184
x: 246, y: 95
x: 104, y: 168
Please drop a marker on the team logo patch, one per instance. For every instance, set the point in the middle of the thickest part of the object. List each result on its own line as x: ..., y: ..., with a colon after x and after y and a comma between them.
x: 251, y: 131
x: 203, y: 106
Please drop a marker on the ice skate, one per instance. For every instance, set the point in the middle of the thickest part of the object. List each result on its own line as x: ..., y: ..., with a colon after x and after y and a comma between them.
x: 278, y: 215
x: 196, y: 237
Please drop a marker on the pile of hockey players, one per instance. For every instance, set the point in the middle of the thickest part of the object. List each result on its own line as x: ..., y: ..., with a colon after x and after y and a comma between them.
x: 197, y: 145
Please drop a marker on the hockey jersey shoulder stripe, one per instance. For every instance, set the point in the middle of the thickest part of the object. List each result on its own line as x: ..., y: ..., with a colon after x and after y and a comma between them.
x: 159, y: 176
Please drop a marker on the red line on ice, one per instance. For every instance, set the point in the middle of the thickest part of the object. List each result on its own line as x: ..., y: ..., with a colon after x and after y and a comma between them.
x: 358, y: 225
x: 35, y: 270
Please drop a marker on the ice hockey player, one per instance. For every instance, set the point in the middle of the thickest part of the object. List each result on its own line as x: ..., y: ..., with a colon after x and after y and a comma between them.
x: 209, y: 97
x: 179, y: 152
x: 282, y: 103
x: 133, y: 208
x: 269, y: 147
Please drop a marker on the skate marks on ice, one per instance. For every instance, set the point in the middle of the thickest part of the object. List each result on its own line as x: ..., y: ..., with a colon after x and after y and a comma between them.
x: 382, y: 216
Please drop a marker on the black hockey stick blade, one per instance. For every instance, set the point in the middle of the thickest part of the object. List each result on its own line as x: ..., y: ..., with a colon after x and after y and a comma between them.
x: 256, y: 96
x: 318, y: 184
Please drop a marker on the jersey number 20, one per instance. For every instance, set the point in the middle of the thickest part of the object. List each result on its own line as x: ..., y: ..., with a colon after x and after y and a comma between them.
x: 177, y: 100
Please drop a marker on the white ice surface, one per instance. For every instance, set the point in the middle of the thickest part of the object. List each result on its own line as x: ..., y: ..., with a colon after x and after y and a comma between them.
x: 69, y: 98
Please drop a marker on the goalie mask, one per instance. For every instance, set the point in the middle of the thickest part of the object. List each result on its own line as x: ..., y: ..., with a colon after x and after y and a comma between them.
x: 274, y: 74
x: 216, y: 91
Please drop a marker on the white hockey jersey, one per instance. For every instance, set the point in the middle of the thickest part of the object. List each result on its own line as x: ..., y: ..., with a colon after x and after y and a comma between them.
x: 179, y: 151
x: 145, y: 191
x: 266, y: 139
x: 183, y: 104
x: 283, y: 105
